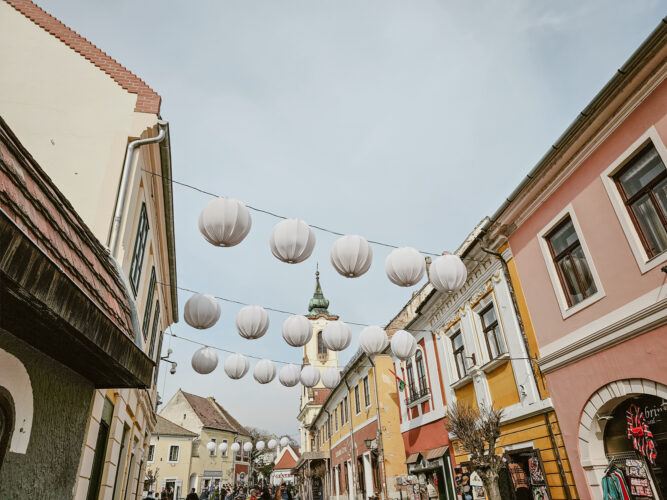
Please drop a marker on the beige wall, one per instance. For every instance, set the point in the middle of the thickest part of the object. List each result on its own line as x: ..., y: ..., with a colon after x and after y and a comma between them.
x: 171, y: 470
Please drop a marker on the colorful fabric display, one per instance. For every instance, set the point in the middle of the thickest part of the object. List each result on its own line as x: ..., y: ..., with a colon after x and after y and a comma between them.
x: 536, y: 476
x: 640, y: 434
x: 619, y: 480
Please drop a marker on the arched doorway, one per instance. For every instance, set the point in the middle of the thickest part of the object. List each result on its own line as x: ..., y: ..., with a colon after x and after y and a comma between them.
x: 604, y: 441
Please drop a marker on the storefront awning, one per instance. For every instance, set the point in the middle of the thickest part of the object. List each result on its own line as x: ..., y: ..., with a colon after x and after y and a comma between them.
x: 413, y: 458
x: 435, y: 452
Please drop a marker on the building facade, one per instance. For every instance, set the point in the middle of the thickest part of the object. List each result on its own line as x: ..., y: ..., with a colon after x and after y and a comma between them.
x: 96, y: 129
x: 283, y: 469
x: 588, y: 231
x: 209, y: 422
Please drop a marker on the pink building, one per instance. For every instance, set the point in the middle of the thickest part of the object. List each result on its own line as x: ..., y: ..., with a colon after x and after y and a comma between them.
x: 588, y: 231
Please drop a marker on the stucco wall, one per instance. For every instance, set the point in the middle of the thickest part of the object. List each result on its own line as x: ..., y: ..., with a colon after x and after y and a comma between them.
x: 61, y: 400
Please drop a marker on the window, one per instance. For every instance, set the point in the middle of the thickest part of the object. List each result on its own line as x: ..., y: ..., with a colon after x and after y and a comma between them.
x: 151, y: 452
x: 214, y: 452
x: 367, y: 393
x: 224, y: 453
x: 357, y: 404
x: 157, y: 361
x: 156, y: 322
x: 139, y: 249
x: 100, y: 451
x: 173, y: 453
x: 492, y: 333
x: 643, y: 187
x: 335, y: 416
x: 570, y: 261
x: 411, y: 377
x: 459, y: 354
x: 149, y: 305
x: 321, y: 347
x: 421, y: 373
x: 346, y: 410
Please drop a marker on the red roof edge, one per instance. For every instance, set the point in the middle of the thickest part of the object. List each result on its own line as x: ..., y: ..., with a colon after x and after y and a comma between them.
x: 148, y: 101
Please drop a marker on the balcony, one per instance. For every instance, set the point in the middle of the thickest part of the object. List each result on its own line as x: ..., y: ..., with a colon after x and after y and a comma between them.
x: 418, y: 396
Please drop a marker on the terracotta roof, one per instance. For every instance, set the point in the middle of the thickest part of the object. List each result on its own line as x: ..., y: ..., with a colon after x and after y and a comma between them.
x: 320, y: 396
x: 148, y: 101
x: 167, y: 427
x: 214, y: 416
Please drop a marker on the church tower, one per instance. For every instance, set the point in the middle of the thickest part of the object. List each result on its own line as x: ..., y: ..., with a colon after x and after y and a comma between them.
x: 316, y: 354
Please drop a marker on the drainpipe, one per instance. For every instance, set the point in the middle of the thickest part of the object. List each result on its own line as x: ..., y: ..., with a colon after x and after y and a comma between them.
x: 330, y: 458
x: 124, y: 182
x: 379, y: 433
x: 353, y: 458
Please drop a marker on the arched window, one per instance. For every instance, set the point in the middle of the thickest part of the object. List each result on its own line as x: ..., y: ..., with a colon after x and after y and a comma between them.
x: 411, y: 378
x: 321, y: 348
x: 421, y: 372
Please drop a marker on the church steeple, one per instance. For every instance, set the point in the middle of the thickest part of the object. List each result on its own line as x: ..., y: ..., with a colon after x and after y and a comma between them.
x: 318, y: 304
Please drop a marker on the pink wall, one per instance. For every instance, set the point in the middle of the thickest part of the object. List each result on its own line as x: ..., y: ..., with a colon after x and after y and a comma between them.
x: 641, y: 357
x: 614, y: 261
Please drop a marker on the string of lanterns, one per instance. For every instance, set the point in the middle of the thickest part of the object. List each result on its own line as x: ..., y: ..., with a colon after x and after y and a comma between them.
x: 247, y: 446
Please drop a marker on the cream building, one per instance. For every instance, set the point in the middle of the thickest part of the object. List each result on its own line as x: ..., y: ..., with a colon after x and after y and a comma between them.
x: 81, y: 115
x: 209, y: 422
x: 316, y: 354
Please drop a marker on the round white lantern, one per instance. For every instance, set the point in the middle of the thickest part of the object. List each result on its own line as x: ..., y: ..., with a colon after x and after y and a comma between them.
x: 236, y: 366
x: 373, y: 340
x: 292, y: 241
x: 403, y: 345
x: 235, y: 447
x: 252, y: 322
x: 336, y: 335
x: 310, y: 376
x: 260, y: 445
x: 405, y: 266
x: 222, y: 447
x: 210, y: 446
x: 297, y: 330
x: 202, y: 311
x: 272, y: 444
x: 289, y: 375
x: 224, y: 222
x: 448, y: 273
x: 330, y: 377
x: 265, y: 371
x: 204, y: 360
x: 284, y: 441
x: 247, y: 446
x: 351, y: 256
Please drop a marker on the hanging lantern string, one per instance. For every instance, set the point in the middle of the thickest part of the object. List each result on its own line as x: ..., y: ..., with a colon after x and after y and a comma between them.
x: 278, y: 216
x: 281, y: 311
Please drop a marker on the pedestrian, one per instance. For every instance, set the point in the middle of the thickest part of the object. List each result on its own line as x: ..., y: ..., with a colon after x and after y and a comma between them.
x: 163, y: 495
x: 265, y: 494
x: 253, y: 494
x: 150, y: 496
x: 192, y: 495
x: 283, y: 493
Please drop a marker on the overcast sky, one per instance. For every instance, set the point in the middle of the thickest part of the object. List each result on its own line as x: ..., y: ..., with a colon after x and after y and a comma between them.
x: 403, y: 121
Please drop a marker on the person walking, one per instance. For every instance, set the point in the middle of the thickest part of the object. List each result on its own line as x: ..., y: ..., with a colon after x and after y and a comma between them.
x: 192, y: 495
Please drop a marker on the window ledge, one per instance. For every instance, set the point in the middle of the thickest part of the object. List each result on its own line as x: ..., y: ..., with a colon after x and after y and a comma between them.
x: 495, y: 363
x: 416, y: 402
x: 462, y: 382
x: 589, y: 301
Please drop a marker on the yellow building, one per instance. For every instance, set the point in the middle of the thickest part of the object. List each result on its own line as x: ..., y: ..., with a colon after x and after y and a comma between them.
x: 96, y: 129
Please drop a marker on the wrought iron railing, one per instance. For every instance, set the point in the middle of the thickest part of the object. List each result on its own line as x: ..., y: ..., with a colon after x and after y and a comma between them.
x: 417, y: 394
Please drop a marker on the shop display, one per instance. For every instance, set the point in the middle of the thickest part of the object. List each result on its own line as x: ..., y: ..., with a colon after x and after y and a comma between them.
x: 627, y: 479
x: 640, y: 434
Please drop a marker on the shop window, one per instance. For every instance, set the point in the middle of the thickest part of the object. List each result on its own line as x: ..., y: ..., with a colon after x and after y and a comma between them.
x: 642, y: 183
x: 492, y: 334
x: 570, y: 261
x: 459, y: 354
x: 139, y: 249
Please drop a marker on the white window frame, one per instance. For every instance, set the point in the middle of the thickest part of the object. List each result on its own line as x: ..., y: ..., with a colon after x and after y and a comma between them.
x: 226, y: 452
x: 178, y: 454
x: 644, y: 262
x: 566, y: 310
x: 214, y: 453
x: 477, y: 318
x: 453, y: 371
x: 151, y: 459
x: 366, y: 383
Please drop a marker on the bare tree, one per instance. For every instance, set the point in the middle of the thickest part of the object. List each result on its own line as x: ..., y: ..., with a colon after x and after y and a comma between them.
x: 478, y: 431
x: 150, y: 478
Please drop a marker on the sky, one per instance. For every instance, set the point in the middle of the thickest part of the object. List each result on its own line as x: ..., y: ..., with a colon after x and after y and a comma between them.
x: 404, y: 122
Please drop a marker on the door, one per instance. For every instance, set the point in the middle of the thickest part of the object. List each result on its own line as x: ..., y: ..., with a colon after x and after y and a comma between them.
x: 6, y: 425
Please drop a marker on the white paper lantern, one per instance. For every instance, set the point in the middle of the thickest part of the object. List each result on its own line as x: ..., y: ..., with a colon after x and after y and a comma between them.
x: 272, y: 444
x: 289, y: 375
x: 224, y: 222
x: 373, y: 340
x: 247, y: 446
x: 235, y: 447
x: 403, y: 345
x: 330, y: 377
x: 405, y: 266
x: 260, y: 445
x: 236, y: 366
x: 336, y: 336
x: 202, y: 311
x: 292, y: 241
x: 222, y: 447
x: 351, y: 256
x: 252, y: 322
x: 284, y: 441
x: 204, y: 360
x: 297, y: 330
x: 448, y: 273
x: 310, y: 376
x: 210, y: 446
x: 265, y: 371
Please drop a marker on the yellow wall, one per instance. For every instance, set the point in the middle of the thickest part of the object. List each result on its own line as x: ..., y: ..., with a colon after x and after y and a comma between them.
x: 218, y: 462
x: 179, y: 470
x: 503, y: 386
x: 467, y: 394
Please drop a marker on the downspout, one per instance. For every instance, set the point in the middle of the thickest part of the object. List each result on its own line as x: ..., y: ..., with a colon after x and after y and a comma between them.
x: 330, y: 461
x: 379, y: 433
x: 353, y: 458
x: 124, y: 183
